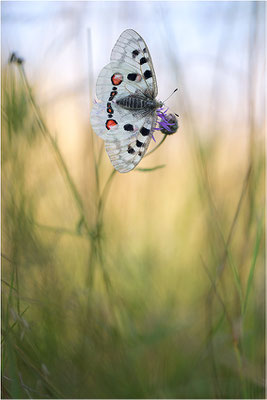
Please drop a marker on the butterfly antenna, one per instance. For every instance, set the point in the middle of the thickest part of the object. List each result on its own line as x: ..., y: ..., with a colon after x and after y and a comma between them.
x: 171, y: 95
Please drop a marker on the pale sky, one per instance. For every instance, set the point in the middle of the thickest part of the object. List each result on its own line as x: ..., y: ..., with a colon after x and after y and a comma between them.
x: 199, y: 47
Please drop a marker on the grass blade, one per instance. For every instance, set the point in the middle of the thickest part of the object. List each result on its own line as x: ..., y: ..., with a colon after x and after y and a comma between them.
x: 253, y: 264
x: 151, y: 169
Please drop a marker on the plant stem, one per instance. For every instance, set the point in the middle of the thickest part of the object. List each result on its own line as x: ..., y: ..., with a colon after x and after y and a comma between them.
x: 155, y: 148
x: 61, y: 163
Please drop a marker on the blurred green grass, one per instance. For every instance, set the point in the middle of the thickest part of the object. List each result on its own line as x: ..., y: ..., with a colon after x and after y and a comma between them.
x: 157, y: 294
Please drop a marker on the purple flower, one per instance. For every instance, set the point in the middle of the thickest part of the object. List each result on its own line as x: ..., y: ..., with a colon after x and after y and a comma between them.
x: 163, y: 122
x: 167, y: 123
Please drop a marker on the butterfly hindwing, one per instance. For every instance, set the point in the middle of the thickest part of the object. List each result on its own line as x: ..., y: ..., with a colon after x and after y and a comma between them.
x: 125, y: 124
x: 125, y: 153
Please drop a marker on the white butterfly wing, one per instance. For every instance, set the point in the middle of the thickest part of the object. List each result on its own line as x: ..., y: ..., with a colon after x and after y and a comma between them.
x: 126, y: 125
x: 127, y: 133
x: 126, y: 153
x: 122, y: 118
x: 132, y: 50
x: 125, y: 148
x: 104, y: 84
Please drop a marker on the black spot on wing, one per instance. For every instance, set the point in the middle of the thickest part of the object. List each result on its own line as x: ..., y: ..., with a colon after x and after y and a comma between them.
x: 130, y: 150
x: 128, y: 127
x: 110, y: 109
x: 138, y: 143
x: 144, y: 131
x: 131, y: 77
x: 112, y: 94
x: 148, y: 74
x: 143, y: 60
x: 135, y: 53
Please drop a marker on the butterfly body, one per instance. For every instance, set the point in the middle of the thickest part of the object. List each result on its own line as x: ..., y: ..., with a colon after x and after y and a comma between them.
x: 138, y: 103
x: 127, y: 112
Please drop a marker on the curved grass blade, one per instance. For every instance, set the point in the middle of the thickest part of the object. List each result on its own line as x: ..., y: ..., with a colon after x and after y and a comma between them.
x: 151, y: 169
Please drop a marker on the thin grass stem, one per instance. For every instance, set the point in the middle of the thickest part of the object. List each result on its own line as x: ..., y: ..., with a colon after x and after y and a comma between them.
x: 59, y: 158
x: 156, y: 147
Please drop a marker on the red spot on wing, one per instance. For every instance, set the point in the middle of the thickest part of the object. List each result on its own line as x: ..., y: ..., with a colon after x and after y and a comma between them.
x: 116, y: 79
x: 110, y: 123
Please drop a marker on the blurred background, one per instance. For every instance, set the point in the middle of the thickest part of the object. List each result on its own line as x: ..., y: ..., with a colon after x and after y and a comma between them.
x: 148, y: 284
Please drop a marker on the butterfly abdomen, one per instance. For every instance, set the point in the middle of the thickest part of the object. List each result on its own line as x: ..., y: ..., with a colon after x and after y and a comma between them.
x: 136, y: 103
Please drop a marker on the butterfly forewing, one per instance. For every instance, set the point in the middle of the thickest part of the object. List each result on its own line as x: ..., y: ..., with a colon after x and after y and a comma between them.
x: 105, y: 88
x: 131, y: 49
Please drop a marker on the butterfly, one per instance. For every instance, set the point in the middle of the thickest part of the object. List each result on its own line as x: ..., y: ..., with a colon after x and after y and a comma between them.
x: 127, y: 111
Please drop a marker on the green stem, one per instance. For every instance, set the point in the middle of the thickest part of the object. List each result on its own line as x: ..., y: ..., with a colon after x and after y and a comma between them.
x: 155, y: 148
x: 240, y: 368
x: 103, y: 197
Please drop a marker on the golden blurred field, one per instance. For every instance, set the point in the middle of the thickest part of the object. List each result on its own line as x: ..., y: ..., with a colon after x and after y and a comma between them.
x: 148, y: 284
